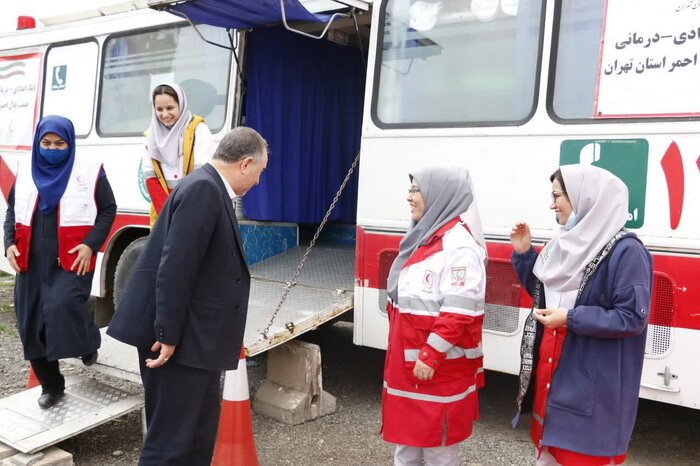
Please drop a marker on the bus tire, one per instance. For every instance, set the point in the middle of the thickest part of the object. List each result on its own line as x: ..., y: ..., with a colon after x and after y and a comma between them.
x: 126, y: 265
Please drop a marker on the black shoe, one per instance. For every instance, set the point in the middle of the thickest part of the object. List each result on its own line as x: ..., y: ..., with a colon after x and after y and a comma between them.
x: 47, y: 400
x: 90, y: 359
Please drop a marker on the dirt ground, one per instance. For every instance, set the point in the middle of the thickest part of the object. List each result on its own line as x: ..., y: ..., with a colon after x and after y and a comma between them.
x: 664, y: 435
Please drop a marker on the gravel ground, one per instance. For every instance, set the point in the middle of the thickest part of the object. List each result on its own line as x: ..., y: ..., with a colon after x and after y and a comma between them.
x: 665, y: 435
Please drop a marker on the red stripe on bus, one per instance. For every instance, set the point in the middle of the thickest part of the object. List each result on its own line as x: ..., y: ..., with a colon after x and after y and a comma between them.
x: 672, y: 164
x: 7, y: 179
x: 122, y: 221
x: 674, y: 295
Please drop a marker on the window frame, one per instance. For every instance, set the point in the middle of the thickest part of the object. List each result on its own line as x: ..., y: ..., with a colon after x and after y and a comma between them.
x: 451, y: 124
x: 98, y: 66
x: 133, y: 32
x: 551, y: 72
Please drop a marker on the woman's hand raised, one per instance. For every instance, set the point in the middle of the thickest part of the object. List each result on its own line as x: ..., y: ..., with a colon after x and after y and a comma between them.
x: 520, y: 237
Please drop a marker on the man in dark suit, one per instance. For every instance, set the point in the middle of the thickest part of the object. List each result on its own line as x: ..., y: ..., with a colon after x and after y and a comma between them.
x: 184, y: 306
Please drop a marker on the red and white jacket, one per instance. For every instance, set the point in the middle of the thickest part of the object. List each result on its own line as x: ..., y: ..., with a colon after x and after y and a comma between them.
x: 438, y: 319
x: 77, y: 210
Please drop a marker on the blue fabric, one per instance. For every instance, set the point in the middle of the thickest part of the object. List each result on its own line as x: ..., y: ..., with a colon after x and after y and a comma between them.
x: 51, y: 179
x: 592, y: 403
x: 244, y: 14
x: 305, y: 97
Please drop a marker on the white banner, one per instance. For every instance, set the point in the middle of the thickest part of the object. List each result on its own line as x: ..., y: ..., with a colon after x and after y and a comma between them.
x: 649, y: 63
x: 20, y: 82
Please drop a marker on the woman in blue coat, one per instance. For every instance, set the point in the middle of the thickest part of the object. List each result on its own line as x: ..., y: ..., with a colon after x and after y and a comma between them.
x: 583, y: 344
x: 60, y: 210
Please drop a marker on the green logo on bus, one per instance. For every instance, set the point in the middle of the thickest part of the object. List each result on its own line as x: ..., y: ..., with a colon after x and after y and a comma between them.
x: 142, y: 183
x: 627, y: 159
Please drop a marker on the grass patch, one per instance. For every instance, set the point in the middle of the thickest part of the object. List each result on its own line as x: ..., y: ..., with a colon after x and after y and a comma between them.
x: 3, y: 328
x: 6, y: 281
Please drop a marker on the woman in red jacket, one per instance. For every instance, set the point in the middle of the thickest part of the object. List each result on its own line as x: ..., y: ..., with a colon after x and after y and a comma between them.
x: 436, y: 288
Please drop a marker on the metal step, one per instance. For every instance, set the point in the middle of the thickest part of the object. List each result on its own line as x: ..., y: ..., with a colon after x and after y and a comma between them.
x: 87, y: 404
x: 323, y: 292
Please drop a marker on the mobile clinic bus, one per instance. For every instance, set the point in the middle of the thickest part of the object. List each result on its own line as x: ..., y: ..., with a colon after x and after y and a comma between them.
x: 98, y: 67
x: 510, y: 89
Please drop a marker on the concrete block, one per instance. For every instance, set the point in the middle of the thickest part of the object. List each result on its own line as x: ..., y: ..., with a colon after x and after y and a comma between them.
x: 26, y: 459
x: 293, y: 392
x: 51, y: 456
x: 6, y: 451
x: 54, y: 456
x: 296, y: 365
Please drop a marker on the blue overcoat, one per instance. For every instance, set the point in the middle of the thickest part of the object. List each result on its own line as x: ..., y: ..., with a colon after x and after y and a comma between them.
x: 592, y: 404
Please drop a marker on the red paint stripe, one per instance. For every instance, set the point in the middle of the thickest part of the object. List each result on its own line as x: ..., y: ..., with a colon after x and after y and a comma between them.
x: 697, y: 162
x: 675, y: 278
x: 672, y: 165
x: 122, y: 221
x: 7, y: 178
x: 20, y: 57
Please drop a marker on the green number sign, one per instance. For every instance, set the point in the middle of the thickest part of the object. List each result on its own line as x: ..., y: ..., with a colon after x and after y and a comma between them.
x: 625, y: 158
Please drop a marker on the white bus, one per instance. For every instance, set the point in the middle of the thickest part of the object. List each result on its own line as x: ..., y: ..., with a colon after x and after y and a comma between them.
x: 98, y: 72
x: 510, y: 89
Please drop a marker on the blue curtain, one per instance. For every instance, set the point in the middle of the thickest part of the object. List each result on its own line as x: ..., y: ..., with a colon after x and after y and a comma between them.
x: 305, y: 97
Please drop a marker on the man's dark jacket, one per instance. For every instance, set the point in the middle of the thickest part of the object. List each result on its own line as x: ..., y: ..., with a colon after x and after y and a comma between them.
x: 190, y: 284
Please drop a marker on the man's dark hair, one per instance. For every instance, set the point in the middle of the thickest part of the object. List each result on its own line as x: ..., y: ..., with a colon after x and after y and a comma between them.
x: 239, y: 143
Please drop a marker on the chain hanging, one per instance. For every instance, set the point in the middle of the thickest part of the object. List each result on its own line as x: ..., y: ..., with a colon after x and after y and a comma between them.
x: 292, y: 282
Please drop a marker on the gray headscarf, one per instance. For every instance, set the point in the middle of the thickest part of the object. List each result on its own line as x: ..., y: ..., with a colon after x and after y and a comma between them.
x: 447, y: 193
x: 600, y: 200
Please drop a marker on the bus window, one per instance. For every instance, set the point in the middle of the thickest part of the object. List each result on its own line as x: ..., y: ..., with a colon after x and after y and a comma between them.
x: 69, y: 83
x: 446, y: 65
x: 134, y: 63
x: 639, y: 61
x: 577, y: 57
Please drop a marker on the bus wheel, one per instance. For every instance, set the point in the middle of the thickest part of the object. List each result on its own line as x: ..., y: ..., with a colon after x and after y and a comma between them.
x: 126, y: 265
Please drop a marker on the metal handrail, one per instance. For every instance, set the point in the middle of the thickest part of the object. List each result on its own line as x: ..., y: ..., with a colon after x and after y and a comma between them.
x: 323, y: 33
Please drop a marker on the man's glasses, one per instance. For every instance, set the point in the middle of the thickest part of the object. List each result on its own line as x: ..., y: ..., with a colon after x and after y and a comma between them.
x: 557, y: 194
x: 413, y: 190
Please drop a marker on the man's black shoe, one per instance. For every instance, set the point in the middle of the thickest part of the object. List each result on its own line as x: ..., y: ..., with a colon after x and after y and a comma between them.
x: 90, y: 359
x: 47, y: 400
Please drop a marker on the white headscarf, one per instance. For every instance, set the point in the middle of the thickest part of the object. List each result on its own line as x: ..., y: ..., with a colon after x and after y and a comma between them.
x: 165, y: 144
x: 600, y: 200
x: 447, y: 194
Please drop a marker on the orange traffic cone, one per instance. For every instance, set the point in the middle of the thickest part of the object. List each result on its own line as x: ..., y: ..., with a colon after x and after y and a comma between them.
x: 234, y: 443
x: 32, y: 381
